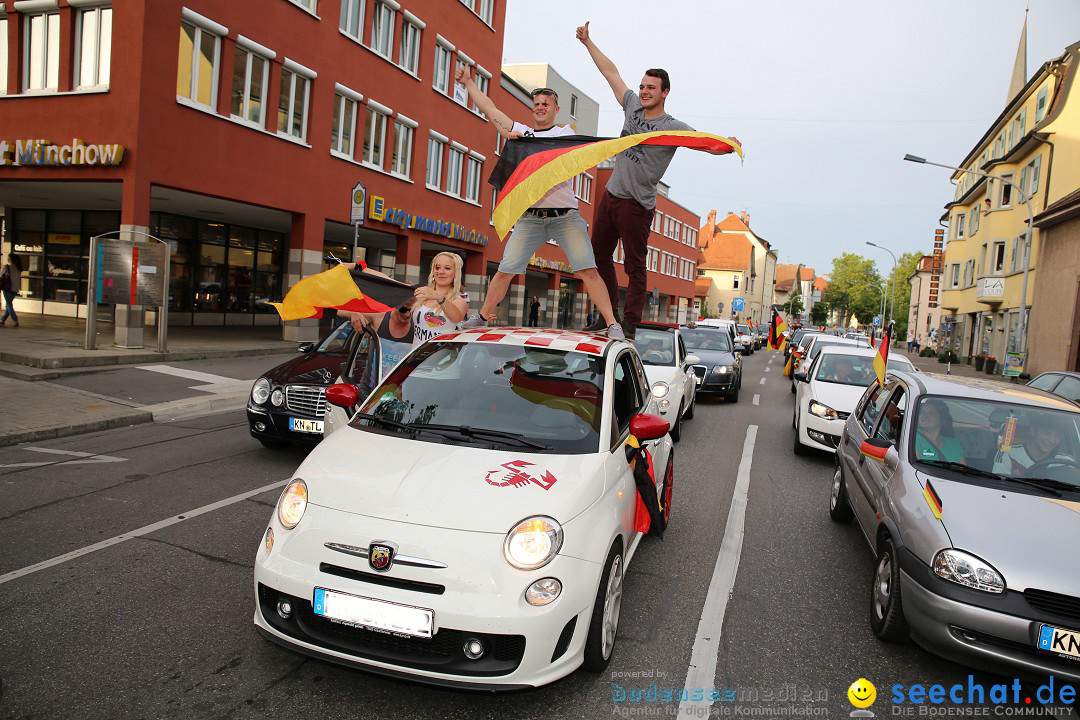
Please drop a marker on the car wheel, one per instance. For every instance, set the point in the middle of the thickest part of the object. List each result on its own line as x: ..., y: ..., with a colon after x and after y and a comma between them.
x: 676, y: 428
x: 798, y: 447
x: 272, y: 444
x: 604, y: 625
x: 886, y: 606
x: 839, y: 507
x: 792, y: 385
x: 733, y: 395
x: 693, y: 404
x: 669, y: 482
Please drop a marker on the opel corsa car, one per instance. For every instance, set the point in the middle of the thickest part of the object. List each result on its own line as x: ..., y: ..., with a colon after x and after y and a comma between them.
x: 968, y: 493
x: 472, y: 525
x: 670, y: 373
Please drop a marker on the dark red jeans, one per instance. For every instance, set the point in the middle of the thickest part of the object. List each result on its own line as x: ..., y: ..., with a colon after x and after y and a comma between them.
x: 622, y: 218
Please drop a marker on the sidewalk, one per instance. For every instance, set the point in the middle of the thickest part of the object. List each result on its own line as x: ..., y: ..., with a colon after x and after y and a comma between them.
x: 931, y: 365
x: 45, y: 348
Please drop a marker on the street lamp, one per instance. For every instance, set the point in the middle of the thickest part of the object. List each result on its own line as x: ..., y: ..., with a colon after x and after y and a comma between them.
x: 1021, y: 328
x: 892, y: 306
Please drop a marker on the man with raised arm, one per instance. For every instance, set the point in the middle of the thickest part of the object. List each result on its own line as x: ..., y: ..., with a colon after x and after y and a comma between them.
x: 627, y: 206
x: 555, y: 216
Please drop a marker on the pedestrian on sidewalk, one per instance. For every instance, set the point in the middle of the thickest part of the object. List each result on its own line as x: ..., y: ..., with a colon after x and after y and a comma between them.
x: 534, y: 312
x: 910, y: 341
x: 554, y: 216
x: 10, y: 285
x: 628, y: 204
x: 917, y: 344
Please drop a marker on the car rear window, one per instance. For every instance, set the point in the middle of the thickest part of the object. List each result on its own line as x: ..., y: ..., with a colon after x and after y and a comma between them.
x: 656, y: 347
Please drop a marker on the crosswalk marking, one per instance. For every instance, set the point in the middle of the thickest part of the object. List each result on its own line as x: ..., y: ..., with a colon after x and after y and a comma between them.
x: 83, y: 458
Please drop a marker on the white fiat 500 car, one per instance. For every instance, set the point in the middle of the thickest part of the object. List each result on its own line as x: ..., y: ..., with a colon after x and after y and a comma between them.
x: 827, y: 392
x: 670, y: 371
x: 472, y: 524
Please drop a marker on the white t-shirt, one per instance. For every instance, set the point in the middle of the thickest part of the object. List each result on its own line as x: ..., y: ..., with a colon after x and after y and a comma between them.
x: 562, y: 195
x: 429, y: 322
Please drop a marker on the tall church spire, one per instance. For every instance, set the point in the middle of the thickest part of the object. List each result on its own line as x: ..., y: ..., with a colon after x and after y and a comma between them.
x: 1019, y: 73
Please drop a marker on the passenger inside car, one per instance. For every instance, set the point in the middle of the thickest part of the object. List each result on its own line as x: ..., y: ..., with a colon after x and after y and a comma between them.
x: 1044, y: 445
x: 934, y: 435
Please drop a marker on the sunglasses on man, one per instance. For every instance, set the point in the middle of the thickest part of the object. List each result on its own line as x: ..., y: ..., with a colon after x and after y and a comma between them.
x: 546, y: 91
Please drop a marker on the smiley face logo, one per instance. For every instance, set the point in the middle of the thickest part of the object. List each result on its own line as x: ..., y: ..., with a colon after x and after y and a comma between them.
x: 862, y: 693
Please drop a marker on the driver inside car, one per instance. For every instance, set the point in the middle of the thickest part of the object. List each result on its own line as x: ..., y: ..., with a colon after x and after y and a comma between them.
x: 1044, y: 445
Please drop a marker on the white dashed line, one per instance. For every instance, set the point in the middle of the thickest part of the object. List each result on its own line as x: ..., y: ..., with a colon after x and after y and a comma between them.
x: 762, y: 381
x: 768, y: 369
x: 757, y: 399
x: 702, y: 670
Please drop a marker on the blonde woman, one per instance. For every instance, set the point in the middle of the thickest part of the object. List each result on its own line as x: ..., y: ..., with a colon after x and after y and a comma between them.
x: 441, y: 304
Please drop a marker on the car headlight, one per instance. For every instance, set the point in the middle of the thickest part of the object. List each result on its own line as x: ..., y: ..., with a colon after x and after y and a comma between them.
x: 292, y: 504
x: 967, y: 570
x: 722, y: 369
x: 533, y: 542
x: 260, y: 391
x: 277, y: 397
x: 822, y: 411
x: 660, y: 389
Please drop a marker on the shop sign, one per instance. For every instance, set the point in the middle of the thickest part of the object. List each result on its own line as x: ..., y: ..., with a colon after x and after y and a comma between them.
x: 379, y: 210
x: 545, y: 264
x: 32, y: 249
x: 38, y: 152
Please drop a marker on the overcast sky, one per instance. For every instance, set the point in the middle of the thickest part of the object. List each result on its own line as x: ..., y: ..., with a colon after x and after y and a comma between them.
x: 826, y: 97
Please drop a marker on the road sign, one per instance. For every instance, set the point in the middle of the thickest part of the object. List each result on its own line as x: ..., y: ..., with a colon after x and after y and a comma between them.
x: 359, y: 201
x: 738, y: 304
x: 877, y: 320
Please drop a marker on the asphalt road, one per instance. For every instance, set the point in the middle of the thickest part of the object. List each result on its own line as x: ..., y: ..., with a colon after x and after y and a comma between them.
x: 156, y: 622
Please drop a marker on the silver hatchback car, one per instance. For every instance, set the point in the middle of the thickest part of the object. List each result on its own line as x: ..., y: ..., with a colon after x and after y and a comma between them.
x: 968, y: 492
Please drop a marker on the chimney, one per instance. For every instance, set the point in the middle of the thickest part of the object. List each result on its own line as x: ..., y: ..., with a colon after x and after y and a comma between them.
x: 745, y: 217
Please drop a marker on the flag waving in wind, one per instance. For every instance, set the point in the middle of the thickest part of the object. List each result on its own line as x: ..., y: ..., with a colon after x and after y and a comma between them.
x: 333, y: 288
x: 529, y: 167
x: 776, y: 331
x: 881, y: 360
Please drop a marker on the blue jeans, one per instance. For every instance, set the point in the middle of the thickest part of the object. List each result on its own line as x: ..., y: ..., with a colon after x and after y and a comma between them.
x: 9, y: 302
x: 530, y: 232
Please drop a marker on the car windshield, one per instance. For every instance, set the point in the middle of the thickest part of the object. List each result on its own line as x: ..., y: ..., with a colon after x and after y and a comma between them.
x: 846, y: 370
x: 1020, y: 444
x: 744, y: 329
x: 900, y: 364
x: 509, y: 395
x: 805, y: 340
x: 336, y: 340
x: 699, y: 339
x: 823, y: 342
x: 656, y: 347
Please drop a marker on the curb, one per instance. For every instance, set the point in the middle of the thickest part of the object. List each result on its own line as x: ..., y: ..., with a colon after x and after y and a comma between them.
x: 134, y: 418
x: 199, y: 406
x: 109, y: 361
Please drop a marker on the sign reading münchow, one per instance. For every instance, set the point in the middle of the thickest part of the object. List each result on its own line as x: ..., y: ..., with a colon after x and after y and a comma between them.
x: 42, y: 153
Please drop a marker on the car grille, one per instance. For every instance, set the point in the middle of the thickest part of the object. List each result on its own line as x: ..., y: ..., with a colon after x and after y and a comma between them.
x: 976, y: 639
x: 306, y: 399
x: 842, y: 415
x: 700, y: 371
x: 443, y: 652
x: 1065, y: 606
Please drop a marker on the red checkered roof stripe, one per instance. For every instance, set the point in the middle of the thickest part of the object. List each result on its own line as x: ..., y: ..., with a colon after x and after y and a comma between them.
x: 589, y: 343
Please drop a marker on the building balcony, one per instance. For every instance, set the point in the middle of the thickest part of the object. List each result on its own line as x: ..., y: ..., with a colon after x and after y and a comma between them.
x: 990, y: 290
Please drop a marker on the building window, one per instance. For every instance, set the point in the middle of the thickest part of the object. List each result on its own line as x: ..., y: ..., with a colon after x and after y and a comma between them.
x: 293, y: 104
x: 42, y: 52
x: 1032, y: 186
x: 3, y: 55
x: 472, y: 178
x: 999, y: 257
x: 95, y: 47
x: 434, y: 161
x: 486, y: 9
x: 382, y: 29
x: 482, y: 82
x: 973, y: 220
x: 586, y: 187
x: 461, y: 93
x: 960, y: 226
x: 352, y: 18
x: 308, y: 5
x: 500, y: 143
x: 441, y: 79
x: 573, y: 106
x: 375, y: 133
x: 657, y: 219
x: 197, y: 65
x: 343, y: 125
x: 251, y: 73
x: 735, y: 282
x: 1040, y: 103
x: 454, y: 161
x: 955, y: 282
x: 401, y: 160
x: 1005, y: 199
x: 411, y: 30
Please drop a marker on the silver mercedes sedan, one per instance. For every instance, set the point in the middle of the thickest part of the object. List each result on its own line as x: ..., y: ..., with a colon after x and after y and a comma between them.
x: 968, y: 492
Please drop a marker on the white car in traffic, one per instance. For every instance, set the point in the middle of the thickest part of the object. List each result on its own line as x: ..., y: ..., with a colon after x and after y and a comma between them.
x: 472, y: 525
x: 670, y: 371
x: 827, y: 392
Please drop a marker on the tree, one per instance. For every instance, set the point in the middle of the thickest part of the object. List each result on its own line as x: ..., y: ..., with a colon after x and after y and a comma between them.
x: 819, y: 314
x: 794, y: 306
x: 853, y: 288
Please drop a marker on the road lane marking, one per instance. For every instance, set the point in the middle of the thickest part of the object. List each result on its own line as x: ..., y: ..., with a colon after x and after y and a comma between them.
x: 84, y: 458
x: 207, y: 378
x: 757, y: 399
x: 145, y: 530
x: 762, y: 381
x: 702, y: 670
x: 768, y: 369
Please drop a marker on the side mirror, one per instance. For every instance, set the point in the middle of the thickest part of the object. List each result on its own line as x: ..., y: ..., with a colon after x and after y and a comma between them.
x: 740, y: 348
x: 693, y: 360
x: 305, y: 347
x: 343, y: 395
x: 800, y: 377
x: 880, y: 450
x: 644, y: 426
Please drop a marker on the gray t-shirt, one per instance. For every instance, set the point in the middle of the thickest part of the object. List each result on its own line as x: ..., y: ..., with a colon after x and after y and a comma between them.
x: 638, y: 169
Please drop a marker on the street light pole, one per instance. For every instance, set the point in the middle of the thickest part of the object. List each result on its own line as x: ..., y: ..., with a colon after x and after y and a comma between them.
x: 892, y: 306
x: 1021, y: 328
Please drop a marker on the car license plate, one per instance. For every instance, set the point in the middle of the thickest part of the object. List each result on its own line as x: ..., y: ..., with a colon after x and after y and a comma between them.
x: 307, y: 426
x: 1060, y: 641
x: 373, y: 614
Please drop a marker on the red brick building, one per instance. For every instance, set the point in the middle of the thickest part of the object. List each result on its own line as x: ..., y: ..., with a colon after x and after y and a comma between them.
x: 238, y: 131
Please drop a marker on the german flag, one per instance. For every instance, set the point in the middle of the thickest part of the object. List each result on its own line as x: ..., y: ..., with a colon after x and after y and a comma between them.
x: 932, y: 499
x: 529, y: 167
x: 881, y: 360
x: 776, y: 331
x: 333, y: 288
x: 648, y: 515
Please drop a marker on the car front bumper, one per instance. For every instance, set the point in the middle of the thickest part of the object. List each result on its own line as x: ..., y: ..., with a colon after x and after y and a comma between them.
x: 1000, y: 640
x: 275, y: 425
x: 714, y: 383
x: 820, y: 433
x: 478, y: 595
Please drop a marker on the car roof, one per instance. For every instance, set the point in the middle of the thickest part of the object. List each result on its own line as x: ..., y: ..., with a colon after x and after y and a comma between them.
x: 833, y: 340
x: 658, y: 326
x: 980, y: 389
x: 710, y: 328
x: 856, y: 350
x: 565, y: 340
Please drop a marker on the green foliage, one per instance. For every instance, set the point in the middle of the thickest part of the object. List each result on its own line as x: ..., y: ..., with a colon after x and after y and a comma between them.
x: 854, y: 288
x: 819, y: 314
x: 947, y: 356
x: 927, y: 352
x: 794, y: 306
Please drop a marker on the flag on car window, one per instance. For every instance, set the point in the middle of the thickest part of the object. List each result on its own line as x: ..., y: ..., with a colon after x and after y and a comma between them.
x: 529, y: 167
x: 776, y: 331
x: 881, y: 360
x: 648, y: 515
x: 333, y: 288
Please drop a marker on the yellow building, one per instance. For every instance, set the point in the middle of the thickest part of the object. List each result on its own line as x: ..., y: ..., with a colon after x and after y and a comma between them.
x: 1035, y: 144
x: 736, y: 270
